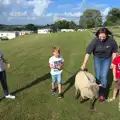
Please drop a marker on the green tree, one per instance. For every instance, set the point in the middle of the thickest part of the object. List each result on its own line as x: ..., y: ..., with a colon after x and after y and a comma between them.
x: 72, y: 25
x: 31, y: 27
x: 113, y: 17
x: 62, y: 24
x: 53, y: 28
x: 91, y: 18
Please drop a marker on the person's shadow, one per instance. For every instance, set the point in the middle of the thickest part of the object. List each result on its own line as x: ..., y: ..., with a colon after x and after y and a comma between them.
x: 34, y: 82
x: 109, y: 84
x: 70, y: 81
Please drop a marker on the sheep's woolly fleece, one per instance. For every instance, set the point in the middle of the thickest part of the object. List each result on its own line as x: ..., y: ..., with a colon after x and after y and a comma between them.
x: 84, y: 84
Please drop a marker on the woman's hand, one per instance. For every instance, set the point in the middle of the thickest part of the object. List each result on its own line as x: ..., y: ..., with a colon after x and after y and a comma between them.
x: 85, y: 61
x: 83, y: 66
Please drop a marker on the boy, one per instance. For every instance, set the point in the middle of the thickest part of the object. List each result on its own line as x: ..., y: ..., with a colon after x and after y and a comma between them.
x: 3, y: 76
x: 116, y: 75
x: 56, y: 63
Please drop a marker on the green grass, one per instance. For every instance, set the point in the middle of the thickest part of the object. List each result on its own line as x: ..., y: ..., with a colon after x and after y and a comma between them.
x: 31, y: 82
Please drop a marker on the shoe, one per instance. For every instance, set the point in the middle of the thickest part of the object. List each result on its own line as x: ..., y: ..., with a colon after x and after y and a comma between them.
x: 119, y: 106
x: 60, y: 95
x: 10, y: 96
x: 53, y: 91
x: 110, y: 99
x: 102, y: 98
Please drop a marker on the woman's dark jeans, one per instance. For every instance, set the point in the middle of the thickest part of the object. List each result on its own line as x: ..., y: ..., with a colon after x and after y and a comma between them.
x: 102, y: 67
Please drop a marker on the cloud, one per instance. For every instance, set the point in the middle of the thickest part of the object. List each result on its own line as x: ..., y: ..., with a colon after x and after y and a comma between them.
x: 35, y: 11
x: 36, y: 7
x: 39, y: 6
x: 104, y: 13
x: 86, y: 5
x: 66, y: 16
x: 23, y: 11
x: 22, y: 18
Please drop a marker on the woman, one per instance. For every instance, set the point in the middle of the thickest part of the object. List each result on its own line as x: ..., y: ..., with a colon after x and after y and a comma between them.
x: 3, y: 76
x: 104, y: 49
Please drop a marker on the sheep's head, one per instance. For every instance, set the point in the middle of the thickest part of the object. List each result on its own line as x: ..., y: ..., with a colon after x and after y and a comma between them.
x: 95, y: 88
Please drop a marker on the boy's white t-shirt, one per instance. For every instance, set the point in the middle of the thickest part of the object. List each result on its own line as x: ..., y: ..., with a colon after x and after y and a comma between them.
x: 56, y: 62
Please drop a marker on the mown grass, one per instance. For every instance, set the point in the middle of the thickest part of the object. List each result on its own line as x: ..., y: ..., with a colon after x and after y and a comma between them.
x: 31, y: 82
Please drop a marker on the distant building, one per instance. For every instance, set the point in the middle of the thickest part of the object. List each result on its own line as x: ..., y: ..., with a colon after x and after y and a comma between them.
x: 44, y: 31
x: 8, y: 34
x: 67, y: 30
x: 80, y: 30
x: 24, y: 32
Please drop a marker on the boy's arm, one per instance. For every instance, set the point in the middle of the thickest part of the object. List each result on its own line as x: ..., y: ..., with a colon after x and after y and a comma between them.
x: 114, y: 63
x: 6, y: 62
x: 114, y: 72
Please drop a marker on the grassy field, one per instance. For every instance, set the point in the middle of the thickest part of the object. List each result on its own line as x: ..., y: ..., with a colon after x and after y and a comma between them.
x: 31, y: 82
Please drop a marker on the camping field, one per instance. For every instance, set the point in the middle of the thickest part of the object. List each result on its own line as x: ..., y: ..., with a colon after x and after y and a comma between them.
x: 31, y: 83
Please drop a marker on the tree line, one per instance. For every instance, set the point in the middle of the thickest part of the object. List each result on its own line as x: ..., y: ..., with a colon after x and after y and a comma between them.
x: 91, y: 18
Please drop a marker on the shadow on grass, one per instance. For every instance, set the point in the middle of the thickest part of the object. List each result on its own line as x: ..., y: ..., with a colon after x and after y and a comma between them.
x: 71, y: 82
x: 35, y: 82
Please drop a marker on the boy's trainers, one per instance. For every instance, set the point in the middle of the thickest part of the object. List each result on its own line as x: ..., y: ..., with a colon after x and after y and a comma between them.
x: 10, y: 97
x: 60, y: 95
x: 110, y: 99
x: 119, y: 106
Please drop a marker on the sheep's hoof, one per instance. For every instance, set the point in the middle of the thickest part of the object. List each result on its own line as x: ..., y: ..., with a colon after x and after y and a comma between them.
x: 82, y: 100
x: 91, y: 109
x: 76, y: 96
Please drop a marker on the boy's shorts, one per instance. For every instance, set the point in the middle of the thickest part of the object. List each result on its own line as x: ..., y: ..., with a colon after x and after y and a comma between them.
x: 117, y: 84
x: 57, y: 77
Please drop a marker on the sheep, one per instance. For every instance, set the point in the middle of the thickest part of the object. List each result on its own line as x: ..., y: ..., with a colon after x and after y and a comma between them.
x: 86, y: 86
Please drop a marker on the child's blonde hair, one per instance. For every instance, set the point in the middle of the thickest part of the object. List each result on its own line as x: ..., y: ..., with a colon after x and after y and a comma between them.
x: 56, y: 49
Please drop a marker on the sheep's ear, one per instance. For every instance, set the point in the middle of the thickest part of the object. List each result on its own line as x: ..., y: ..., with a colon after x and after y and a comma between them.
x: 94, y: 87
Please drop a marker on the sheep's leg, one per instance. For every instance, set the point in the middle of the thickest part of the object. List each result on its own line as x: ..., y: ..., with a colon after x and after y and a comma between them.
x: 92, y: 103
x: 77, y: 94
x: 82, y: 100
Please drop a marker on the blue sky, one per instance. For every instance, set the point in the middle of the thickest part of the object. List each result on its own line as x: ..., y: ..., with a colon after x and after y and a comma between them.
x: 43, y: 12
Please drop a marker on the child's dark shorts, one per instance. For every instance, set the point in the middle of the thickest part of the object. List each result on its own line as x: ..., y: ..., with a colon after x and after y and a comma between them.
x: 117, y: 84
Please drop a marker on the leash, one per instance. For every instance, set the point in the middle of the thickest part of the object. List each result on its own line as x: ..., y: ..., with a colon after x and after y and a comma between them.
x: 86, y: 76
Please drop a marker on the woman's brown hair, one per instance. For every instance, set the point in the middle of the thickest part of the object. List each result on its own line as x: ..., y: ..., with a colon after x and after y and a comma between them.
x: 105, y: 31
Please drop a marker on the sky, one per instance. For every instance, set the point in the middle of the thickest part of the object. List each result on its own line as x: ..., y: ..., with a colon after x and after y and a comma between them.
x: 42, y: 12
